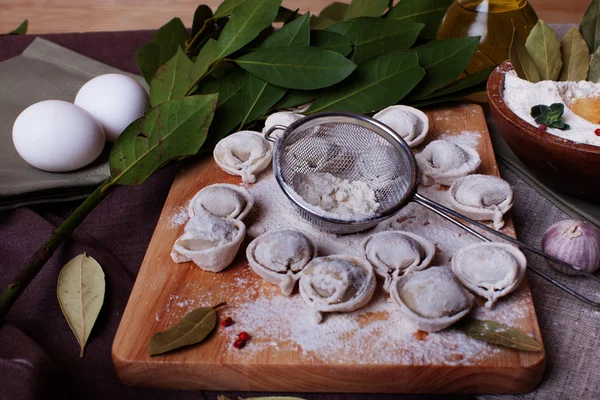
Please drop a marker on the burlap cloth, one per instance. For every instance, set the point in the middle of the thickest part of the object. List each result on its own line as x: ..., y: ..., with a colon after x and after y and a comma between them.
x: 39, y: 355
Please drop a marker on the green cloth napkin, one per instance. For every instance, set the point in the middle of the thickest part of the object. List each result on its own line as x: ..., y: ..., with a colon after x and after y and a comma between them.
x: 44, y: 71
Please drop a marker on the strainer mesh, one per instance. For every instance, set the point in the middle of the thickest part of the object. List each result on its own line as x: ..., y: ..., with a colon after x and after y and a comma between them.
x: 349, y: 151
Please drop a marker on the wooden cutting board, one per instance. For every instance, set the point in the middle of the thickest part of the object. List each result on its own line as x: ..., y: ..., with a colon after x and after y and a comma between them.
x: 369, y: 351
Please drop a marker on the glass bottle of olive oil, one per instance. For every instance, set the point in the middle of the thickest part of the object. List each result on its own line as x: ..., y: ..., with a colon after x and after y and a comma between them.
x: 493, y: 21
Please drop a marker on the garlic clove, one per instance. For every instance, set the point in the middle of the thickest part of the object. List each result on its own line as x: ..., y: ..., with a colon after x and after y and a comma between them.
x: 574, y: 241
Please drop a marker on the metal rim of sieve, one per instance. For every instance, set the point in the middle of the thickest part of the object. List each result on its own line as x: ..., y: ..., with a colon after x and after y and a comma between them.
x: 384, y: 131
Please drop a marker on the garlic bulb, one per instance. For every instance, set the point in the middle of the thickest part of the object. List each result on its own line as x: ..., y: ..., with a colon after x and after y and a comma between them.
x: 574, y: 241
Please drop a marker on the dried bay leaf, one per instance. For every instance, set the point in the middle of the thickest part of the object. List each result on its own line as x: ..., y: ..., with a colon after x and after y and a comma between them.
x: 206, y: 57
x: 295, y: 67
x: 80, y: 291
x: 169, y: 38
x: 372, y: 36
x: 544, y: 49
x: 429, y: 12
x: 295, y: 33
x: 247, y: 21
x: 202, y: 14
x: 377, y: 83
x: 590, y: 26
x: 318, y: 22
x: 294, y: 98
x: 594, y: 72
x: 575, y: 57
x: 259, y: 97
x: 172, y: 130
x: 365, y: 8
x: 497, y: 333
x: 172, y: 80
x: 520, y: 59
x: 21, y: 29
x: 331, y: 41
x: 193, y: 328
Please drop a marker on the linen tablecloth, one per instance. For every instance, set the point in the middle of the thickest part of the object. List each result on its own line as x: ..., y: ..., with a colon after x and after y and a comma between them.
x: 39, y: 357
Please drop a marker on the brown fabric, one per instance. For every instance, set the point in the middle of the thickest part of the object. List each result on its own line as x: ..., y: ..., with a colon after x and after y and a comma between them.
x: 39, y: 356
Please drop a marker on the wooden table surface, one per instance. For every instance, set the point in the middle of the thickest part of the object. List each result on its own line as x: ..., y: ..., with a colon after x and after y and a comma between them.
x: 53, y: 16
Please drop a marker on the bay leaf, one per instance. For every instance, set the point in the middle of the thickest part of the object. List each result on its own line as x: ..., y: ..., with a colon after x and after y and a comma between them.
x: 202, y: 14
x: 169, y: 38
x: 295, y: 33
x: 453, y: 96
x: 226, y: 8
x: 259, y: 97
x: 203, y: 62
x: 334, y: 11
x: 320, y: 22
x: 21, y: 29
x: 247, y: 21
x: 590, y: 26
x: 172, y: 80
x: 377, y: 83
x: 575, y: 57
x: 594, y: 73
x: 147, y: 58
x: 443, y: 61
x: 520, y: 59
x: 428, y: 12
x: 170, y: 131
x: 229, y: 112
x: 286, y: 15
x: 372, y: 36
x: 331, y: 41
x: 366, y: 8
x: 296, y: 67
x: 497, y: 333
x: 193, y: 328
x: 544, y: 49
x: 295, y: 98
x: 464, y: 83
x: 80, y: 291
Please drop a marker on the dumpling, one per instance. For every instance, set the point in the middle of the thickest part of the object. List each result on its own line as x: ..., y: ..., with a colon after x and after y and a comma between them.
x: 280, y: 256
x: 396, y: 253
x: 482, y: 198
x: 337, y: 283
x: 222, y: 200
x: 244, y: 153
x: 490, y: 270
x: 432, y: 299
x: 443, y: 162
x: 210, y: 242
x: 408, y: 122
x: 283, y: 118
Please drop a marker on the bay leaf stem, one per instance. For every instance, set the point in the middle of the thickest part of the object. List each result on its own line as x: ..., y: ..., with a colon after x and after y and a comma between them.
x: 43, y: 254
x: 192, y: 41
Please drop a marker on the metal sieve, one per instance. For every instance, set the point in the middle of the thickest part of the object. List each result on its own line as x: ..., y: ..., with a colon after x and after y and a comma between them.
x: 358, y: 148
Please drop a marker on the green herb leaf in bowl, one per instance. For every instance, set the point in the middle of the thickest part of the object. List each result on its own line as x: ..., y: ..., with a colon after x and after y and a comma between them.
x: 551, y: 116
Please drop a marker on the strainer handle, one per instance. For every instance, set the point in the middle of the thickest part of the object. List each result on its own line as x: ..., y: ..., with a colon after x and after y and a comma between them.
x: 272, y: 129
x: 454, y: 217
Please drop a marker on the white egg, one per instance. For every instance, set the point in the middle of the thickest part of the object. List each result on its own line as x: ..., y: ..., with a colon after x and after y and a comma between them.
x: 57, y: 136
x: 115, y: 100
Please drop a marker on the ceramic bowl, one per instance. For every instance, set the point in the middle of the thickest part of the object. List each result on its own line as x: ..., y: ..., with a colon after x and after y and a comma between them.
x: 570, y: 167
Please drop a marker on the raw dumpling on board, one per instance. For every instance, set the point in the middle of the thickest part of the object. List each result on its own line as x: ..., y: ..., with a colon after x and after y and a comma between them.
x: 432, y: 299
x: 408, y: 122
x: 210, y: 242
x: 337, y: 283
x: 244, y: 153
x: 222, y: 200
x: 281, y: 118
x: 280, y: 256
x: 395, y: 253
x: 490, y: 270
x: 443, y: 162
x: 482, y: 198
